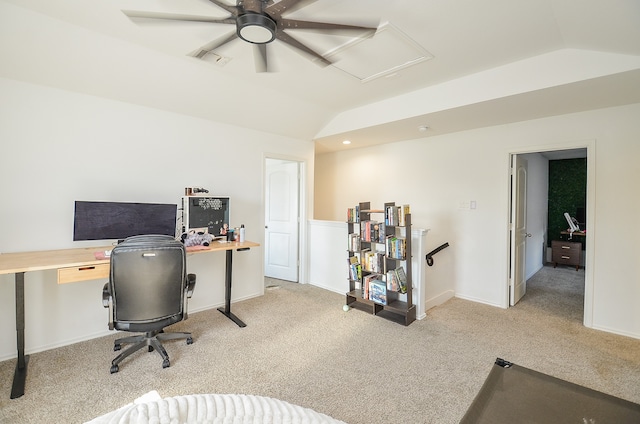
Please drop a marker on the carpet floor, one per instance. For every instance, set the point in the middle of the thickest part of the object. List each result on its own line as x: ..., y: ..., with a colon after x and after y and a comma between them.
x: 301, y: 347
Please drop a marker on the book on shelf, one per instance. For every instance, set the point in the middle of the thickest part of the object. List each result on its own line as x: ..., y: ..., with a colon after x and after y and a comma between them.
x: 355, y: 269
x: 391, y: 215
x: 353, y: 242
x: 402, y: 279
x: 379, y: 232
x: 372, y: 231
x: 396, y: 247
x: 364, y: 230
x: 353, y: 214
x: 392, y: 281
x: 366, y: 284
x: 378, y: 291
x: 404, y: 211
x: 396, y: 215
x: 373, y: 261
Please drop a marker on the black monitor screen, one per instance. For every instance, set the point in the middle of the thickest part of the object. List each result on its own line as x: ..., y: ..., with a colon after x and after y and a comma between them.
x: 119, y: 220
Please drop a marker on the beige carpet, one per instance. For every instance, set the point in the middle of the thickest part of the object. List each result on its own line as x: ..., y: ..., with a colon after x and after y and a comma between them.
x: 300, y: 347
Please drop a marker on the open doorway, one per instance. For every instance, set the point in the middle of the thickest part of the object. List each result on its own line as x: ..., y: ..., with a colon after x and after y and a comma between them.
x: 282, y: 219
x: 540, y: 228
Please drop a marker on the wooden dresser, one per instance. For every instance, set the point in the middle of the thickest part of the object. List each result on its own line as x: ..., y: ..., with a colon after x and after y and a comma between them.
x: 566, y: 253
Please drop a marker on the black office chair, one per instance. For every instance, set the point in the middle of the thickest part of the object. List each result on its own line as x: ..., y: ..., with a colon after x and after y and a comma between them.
x: 147, y: 291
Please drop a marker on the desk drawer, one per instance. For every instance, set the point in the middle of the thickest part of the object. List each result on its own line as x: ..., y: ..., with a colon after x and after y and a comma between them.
x: 566, y: 253
x: 82, y: 273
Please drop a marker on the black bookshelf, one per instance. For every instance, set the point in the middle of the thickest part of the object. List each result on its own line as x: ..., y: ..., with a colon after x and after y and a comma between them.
x: 379, y: 242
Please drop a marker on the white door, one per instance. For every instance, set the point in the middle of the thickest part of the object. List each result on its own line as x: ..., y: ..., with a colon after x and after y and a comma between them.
x: 517, y: 280
x: 281, y: 220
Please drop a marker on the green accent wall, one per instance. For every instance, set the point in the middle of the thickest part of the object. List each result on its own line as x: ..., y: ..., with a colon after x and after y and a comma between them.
x: 567, y: 193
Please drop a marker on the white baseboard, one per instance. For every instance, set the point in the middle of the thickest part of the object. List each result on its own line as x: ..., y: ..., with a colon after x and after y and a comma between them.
x: 474, y: 299
x: 439, y: 299
x: 102, y: 333
x: 331, y: 289
x: 614, y: 331
x: 61, y: 343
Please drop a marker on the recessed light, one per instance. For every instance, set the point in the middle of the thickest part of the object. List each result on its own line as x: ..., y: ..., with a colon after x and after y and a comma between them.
x: 346, y: 142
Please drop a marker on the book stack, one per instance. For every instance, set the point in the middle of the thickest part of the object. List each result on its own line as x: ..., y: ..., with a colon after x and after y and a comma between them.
x: 373, y: 261
x: 397, y: 280
x: 396, y: 247
x: 355, y: 269
x: 353, y: 242
x: 372, y: 231
x: 395, y: 215
x: 353, y: 214
x: 402, y: 279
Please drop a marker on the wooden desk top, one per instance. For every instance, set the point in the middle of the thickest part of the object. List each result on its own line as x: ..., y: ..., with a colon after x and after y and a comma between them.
x: 575, y: 233
x: 10, y: 263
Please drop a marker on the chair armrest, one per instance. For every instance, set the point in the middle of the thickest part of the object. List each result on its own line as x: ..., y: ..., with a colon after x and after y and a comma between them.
x: 191, y: 284
x: 107, y: 302
x: 106, y: 296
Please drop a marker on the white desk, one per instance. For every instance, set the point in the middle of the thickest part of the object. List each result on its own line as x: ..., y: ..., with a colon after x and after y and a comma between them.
x: 81, y: 265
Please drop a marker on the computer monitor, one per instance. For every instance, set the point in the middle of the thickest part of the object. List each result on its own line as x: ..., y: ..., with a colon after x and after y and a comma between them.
x: 206, y: 212
x: 119, y: 220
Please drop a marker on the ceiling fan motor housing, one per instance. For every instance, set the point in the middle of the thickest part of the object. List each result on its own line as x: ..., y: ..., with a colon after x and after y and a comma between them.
x: 256, y: 28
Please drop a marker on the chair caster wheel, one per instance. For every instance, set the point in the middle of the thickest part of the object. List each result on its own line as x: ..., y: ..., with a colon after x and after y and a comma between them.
x: 189, y: 340
x: 150, y: 349
x: 166, y: 363
x: 114, y: 369
x: 117, y: 347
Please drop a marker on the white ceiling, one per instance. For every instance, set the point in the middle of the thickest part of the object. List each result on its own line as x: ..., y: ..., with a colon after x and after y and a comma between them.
x: 90, y: 46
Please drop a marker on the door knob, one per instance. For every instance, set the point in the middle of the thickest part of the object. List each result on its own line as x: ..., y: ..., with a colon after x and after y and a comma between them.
x: 528, y: 235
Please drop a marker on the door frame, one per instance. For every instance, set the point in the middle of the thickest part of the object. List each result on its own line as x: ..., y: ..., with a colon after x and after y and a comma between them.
x: 302, y: 208
x: 590, y: 145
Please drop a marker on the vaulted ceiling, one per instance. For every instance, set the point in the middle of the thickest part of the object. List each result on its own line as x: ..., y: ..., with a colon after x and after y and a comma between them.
x: 446, y: 65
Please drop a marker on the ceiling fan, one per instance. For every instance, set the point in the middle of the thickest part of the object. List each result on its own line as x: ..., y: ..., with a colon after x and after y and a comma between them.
x: 260, y: 22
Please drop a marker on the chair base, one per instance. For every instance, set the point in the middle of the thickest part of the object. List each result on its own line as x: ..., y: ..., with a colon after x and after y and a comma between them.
x: 152, y: 339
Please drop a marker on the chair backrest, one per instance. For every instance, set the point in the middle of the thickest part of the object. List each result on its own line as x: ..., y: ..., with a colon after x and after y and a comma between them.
x: 147, y: 279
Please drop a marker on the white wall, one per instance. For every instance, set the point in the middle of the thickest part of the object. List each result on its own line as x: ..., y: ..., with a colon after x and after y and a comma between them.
x: 439, y: 174
x: 537, y: 212
x: 328, y: 255
x: 58, y: 147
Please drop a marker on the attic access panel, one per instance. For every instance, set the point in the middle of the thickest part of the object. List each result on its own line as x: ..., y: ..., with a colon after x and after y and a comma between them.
x: 387, y: 52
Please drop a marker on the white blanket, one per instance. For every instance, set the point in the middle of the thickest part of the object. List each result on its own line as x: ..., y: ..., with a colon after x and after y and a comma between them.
x: 212, y: 409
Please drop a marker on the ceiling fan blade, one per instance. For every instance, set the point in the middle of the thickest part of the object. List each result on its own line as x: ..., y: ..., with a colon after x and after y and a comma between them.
x: 231, y: 9
x: 326, y: 27
x: 285, y: 6
x: 260, y: 57
x: 288, y: 39
x: 177, y: 17
x: 202, y: 51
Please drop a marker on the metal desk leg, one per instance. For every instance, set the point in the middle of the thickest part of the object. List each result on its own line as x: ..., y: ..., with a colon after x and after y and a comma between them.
x: 227, y: 292
x: 20, y: 375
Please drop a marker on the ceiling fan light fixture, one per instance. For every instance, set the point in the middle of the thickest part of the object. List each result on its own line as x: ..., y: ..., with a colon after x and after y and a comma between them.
x: 256, y: 28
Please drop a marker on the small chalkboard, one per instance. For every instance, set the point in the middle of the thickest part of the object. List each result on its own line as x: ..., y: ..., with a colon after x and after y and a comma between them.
x: 211, y: 212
